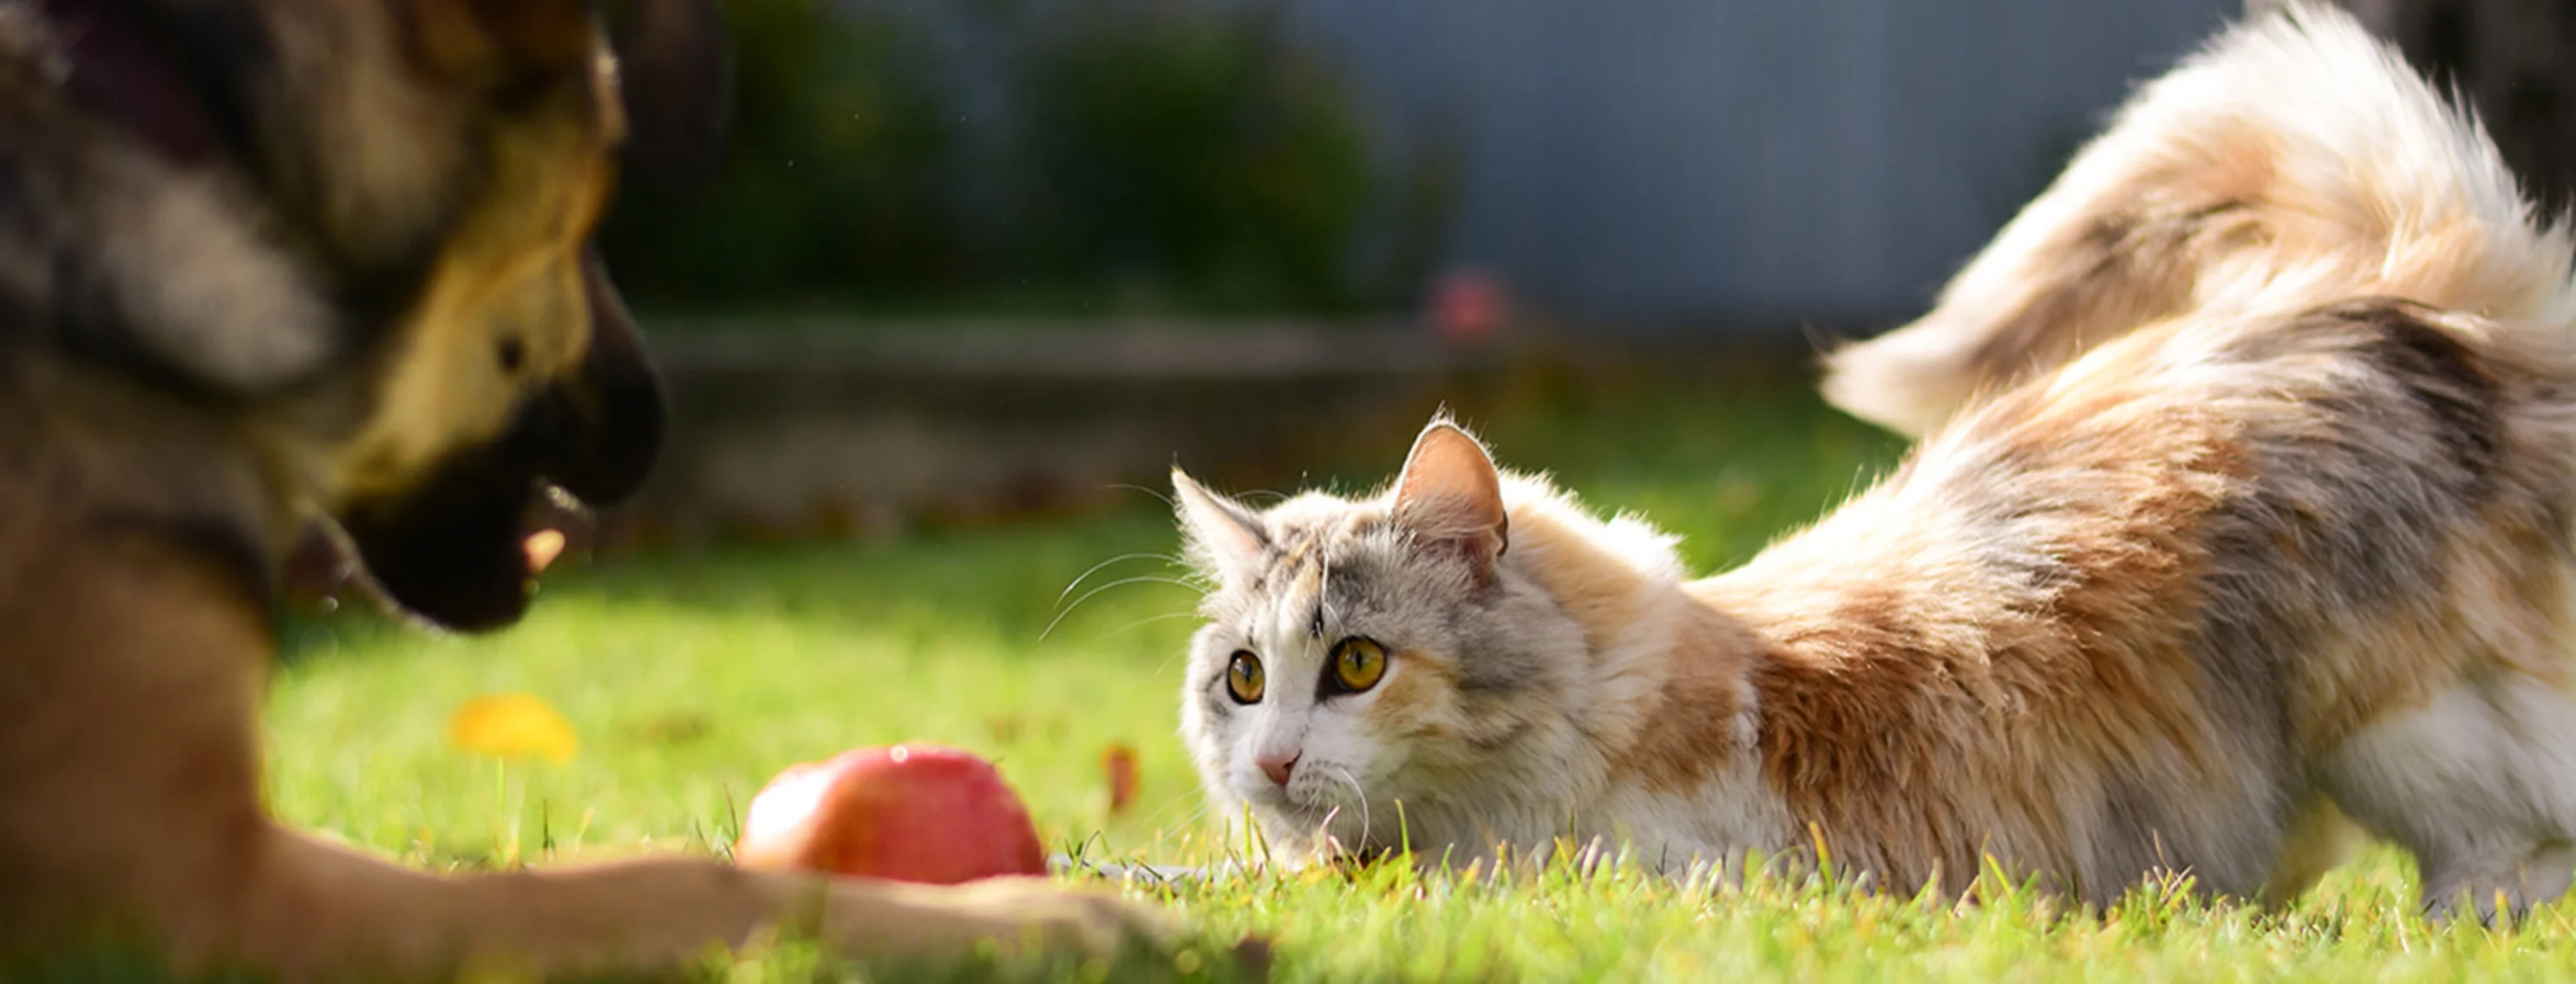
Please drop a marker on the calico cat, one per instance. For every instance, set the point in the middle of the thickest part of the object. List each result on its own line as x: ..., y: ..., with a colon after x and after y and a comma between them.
x: 2206, y: 598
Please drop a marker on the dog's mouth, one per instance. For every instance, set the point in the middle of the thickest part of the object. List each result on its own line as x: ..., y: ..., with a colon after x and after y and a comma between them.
x: 458, y: 548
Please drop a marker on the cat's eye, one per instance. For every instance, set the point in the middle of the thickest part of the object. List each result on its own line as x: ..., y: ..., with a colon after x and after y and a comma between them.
x: 1358, y: 664
x: 1243, y: 680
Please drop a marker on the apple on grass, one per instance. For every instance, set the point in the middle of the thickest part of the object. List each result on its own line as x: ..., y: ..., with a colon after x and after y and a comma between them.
x: 913, y: 812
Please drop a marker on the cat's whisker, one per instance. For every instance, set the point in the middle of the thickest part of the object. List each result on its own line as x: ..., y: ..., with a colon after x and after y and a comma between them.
x: 1198, y: 805
x: 1333, y: 846
x: 1095, y: 592
x: 1096, y: 568
x: 1133, y: 487
x: 1357, y: 793
x: 1149, y: 620
x: 1324, y: 594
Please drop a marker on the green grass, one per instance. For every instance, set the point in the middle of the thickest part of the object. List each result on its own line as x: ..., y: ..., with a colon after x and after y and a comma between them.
x: 691, y: 679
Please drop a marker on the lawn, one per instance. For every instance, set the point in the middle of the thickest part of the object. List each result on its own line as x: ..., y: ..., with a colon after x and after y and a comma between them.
x: 692, y: 678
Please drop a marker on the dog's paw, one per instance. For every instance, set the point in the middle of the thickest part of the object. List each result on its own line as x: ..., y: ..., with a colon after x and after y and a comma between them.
x: 1028, y: 923
x: 1039, y: 915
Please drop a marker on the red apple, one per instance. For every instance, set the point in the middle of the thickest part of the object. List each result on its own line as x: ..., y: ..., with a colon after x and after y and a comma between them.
x: 916, y: 813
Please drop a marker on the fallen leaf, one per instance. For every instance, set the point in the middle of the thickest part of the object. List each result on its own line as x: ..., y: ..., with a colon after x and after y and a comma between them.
x: 511, y: 726
x: 1124, y: 780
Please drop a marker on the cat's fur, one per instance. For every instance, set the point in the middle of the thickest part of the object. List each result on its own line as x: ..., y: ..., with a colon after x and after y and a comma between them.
x: 2185, y: 603
x: 2294, y: 160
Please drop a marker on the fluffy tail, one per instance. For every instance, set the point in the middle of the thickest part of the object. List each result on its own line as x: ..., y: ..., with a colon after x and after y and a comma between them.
x: 2295, y: 159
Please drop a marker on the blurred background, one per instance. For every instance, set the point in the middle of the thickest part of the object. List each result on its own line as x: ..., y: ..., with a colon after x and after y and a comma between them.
x: 970, y: 260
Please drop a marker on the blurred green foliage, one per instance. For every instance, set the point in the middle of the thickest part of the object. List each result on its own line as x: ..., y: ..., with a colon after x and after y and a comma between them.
x: 1030, y: 156
x: 1198, y: 146
x: 834, y: 176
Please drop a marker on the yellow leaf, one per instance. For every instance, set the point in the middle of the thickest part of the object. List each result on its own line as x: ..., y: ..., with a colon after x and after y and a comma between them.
x: 512, y: 726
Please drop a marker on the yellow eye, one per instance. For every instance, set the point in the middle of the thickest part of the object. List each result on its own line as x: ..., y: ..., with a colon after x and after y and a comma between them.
x: 1358, y: 664
x: 1243, y: 679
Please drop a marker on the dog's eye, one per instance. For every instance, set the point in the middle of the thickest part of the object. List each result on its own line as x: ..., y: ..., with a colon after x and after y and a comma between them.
x: 513, y: 353
x: 1358, y: 664
x: 524, y: 91
x: 1243, y: 680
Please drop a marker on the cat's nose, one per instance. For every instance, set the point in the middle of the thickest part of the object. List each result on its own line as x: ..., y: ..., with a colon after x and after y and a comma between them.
x: 1279, y: 769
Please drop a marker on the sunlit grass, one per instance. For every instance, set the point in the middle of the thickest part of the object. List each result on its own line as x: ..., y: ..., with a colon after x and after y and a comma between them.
x: 691, y: 679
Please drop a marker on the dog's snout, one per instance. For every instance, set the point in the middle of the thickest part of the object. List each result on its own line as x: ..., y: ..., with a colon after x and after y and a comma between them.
x: 614, y: 409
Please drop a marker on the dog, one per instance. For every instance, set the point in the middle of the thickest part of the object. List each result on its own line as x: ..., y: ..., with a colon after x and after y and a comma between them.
x: 2263, y: 173
x: 269, y: 260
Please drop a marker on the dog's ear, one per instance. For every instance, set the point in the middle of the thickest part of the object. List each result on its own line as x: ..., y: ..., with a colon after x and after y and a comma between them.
x: 676, y: 70
x: 468, y: 37
x: 675, y: 65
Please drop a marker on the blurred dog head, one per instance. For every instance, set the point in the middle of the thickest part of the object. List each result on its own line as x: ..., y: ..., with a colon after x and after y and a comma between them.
x: 363, y: 226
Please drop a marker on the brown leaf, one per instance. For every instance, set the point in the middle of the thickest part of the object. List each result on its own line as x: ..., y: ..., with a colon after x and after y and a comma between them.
x: 1124, y: 781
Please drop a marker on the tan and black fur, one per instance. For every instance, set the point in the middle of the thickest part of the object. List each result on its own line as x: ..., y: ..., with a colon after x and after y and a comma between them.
x: 266, y: 261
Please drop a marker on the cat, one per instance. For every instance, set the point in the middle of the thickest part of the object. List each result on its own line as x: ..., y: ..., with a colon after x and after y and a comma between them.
x: 2294, y: 160
x: 2210, y: 597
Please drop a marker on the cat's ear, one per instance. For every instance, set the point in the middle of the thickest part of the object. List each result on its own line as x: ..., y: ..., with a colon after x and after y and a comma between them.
x: 1451, y: 496
x: 1219, y: 529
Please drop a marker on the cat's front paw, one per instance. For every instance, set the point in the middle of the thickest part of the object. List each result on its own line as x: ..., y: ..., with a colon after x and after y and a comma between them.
x: 2491, y: 908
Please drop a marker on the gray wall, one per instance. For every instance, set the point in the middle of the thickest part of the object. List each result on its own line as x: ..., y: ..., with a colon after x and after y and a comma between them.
x: 1747, y: 161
